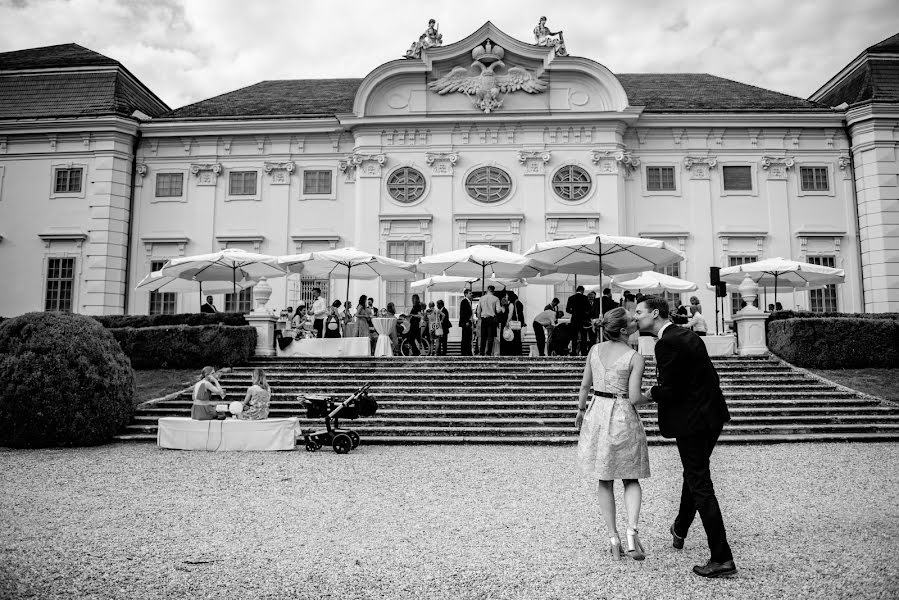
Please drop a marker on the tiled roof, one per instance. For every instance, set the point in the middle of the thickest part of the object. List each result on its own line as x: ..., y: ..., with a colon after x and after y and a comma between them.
x: 49, y: 57
x: 876, y: 78
x: 664, y: 92
x: 889, y: 45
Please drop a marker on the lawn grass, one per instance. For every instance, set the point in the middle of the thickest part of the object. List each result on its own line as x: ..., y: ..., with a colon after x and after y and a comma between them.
x: 883, y: 383
x: 155, y: 383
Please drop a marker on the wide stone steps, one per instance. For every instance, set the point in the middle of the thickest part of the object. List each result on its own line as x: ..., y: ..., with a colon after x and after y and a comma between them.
x: 451, y: 400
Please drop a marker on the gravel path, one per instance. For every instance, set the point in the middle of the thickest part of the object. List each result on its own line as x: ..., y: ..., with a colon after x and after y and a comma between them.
x: 134, y: 521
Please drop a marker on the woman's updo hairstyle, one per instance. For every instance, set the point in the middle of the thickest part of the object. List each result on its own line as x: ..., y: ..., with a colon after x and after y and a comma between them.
x: 613, y: 322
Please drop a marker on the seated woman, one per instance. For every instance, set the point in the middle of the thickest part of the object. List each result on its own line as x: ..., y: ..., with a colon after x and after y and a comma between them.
x: 333, y: 321
x: 256, y: 402
x: 203, y: 408
x: 697, y: 322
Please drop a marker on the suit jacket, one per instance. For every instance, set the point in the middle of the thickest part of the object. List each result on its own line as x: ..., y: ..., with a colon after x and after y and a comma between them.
x: 688, y: 391
x: 465, y: 313
x: 578, y: 307
x: 207, y: 308
x: 607, y: 304
x: 445, y: 322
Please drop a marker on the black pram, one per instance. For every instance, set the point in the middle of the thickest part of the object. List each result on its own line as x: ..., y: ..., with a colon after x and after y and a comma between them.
x: 359, y: 404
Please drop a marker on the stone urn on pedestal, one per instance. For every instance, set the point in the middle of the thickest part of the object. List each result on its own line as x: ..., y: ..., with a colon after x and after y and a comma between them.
x: 262, y: 319
x: 751, y: 340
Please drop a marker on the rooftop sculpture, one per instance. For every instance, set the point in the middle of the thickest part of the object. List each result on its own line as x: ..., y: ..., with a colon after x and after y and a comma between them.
x: 552, y: 39
x: 428, y: 39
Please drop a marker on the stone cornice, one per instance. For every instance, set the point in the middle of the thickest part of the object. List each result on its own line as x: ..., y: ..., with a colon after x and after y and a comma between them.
x: 708, y: 120
x: 220, y: 127
x: 68, y: 125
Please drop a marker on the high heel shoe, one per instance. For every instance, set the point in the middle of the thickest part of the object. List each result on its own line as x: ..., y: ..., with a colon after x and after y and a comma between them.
x: 634, y: 547
x: 615, y: 548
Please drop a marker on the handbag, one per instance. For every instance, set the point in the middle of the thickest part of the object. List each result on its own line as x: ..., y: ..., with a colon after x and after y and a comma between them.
x: 514, y: 324
x: 508, y: 334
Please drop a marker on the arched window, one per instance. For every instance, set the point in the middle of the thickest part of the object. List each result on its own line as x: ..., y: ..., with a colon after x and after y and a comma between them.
x: 571, y: 183
x: 406, y: 185
x: 488, y: 184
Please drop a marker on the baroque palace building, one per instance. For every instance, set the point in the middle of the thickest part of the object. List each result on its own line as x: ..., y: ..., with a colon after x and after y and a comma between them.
x: 486, y: 140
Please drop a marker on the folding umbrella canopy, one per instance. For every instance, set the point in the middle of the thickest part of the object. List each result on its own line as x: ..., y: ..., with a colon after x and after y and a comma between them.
x: 476, y: 260
x: 349, y: 263
x: 156, y: 282
x: 230, y: 264
x: 450, y: 283
x: 650, y: 281
x: 781, y: 272
x: 564, y: 278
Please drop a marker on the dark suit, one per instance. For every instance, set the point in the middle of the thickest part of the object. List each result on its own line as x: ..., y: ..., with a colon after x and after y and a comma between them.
x: 207, y: 308
x: 465, y: 314
x: 445, y: 326
x: 578, y: 306
x: 607, y: 304
x: 692, y: 410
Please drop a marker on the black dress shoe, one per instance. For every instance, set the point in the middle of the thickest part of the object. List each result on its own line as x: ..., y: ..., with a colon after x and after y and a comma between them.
x: 714, y: 569
x: 676, y: 540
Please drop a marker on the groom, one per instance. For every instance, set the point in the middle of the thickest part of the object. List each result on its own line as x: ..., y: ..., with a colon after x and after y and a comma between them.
x: 691, y: 410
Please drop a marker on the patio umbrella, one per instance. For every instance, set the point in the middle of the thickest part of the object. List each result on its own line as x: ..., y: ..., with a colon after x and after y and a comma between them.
x: 782, y: 272
x: 651, y: 281
x: 157, y: 281
x: 565, y: 279
x: 349, y: 263
x: 450, y: 283
x: 476, y: 260
x: 230, y: 264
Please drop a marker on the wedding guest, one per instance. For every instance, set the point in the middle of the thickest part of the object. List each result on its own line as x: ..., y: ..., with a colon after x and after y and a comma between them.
x: 594, y: 312
x: 770, y: 308
x: 256, y: 401
x: 296, y: 321
x: 465, y: 322
x: 778, y: 306
x: 697, y: 322
x: 680, y: 313
x: 544, y: 323
x: 333, y: 321
x: 606, y: 303
x: 348, y: 316
x: 514, y: 312
x: 203, y: 408
x: 414, y: 333
x: 209, y: 307
x: 578, y: 307
x: 612, y: 441
x: 363, y: 318
x: 628, y: 302
x: 319, y: 312
x: 444, y: 327
x: 488, y: 309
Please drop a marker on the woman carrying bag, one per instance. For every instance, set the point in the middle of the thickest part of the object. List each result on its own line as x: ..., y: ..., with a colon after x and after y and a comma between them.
x: 513, y: 322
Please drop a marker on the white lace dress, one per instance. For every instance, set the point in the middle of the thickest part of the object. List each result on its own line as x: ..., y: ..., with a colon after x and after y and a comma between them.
x: 612, y: 443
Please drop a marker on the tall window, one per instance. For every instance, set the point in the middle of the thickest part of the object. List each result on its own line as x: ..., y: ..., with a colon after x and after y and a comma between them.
x: 571, y: 183
x: 241, y: 302
x: 161, y: 303
x: 673, y: 271
x: 406, y: 185
x: 399, y: 292
x: 316, y: 182
x: 659, y: 179
x: 488, y: 184
x: 737, y: 178
x: 169, y: 185
x: 68, y: 181
x: 307, y: 284
x: 242, y: 183
x: 824, y: 300
x: 813, y: 179
x: 735, y: 298
x: 60, y: 284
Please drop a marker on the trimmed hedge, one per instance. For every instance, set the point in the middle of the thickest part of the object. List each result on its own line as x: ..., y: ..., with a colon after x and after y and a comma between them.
x: 836, y: 342
x: 64, y: 381
x: 779, y: 315
x: 184, y: 346
x: 224, y: 318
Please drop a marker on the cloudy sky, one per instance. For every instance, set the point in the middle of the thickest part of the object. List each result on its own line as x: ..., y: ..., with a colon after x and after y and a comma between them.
x: 189, y: 50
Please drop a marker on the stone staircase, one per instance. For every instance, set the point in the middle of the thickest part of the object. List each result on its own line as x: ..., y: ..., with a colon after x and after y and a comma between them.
x: 512, y: 400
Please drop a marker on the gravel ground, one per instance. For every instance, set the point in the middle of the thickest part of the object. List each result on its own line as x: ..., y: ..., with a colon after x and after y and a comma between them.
x: 134, y: 521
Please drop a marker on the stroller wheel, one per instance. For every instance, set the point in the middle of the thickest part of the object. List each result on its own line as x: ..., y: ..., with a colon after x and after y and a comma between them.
x: 342, y: 443
x: 311, y: 446
x: 355, y: 437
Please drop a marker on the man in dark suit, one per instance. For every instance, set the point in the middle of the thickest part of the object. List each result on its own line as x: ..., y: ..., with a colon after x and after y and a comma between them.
x: 579, y: 308
x: 692, y: 410
x: 607, y: 303
x: 465, y: 314
x: 208, y: 307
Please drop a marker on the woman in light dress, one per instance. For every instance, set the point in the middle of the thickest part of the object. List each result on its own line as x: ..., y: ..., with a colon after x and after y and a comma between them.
x: 256, y: 402
x: 612, y: 442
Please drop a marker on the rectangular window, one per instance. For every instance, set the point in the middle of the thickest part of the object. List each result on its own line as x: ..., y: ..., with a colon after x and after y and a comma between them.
x: 161, y: 303
x: 660, y: 179
x: 60, y: 284
x: 823, y: 300
x: 737, y: 178
x: 241, y: 302
x: 316, y: 182
x: 673, y: 271
x: 813, y: 179
x: 68, y: 181
x: 307, y: 284
x: 399, y: 292
x: 735, y: 298
x: 169, y: 185
x: 242, y: 183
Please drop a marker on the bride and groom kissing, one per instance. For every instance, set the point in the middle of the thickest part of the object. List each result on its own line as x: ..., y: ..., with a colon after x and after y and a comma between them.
x: 691, y: 409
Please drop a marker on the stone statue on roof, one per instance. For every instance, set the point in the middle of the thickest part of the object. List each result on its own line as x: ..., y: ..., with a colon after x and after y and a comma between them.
x: 430, y: 38
x: 553, y: 39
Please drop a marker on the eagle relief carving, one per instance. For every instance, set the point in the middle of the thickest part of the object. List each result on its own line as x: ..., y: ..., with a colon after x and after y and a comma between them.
x: 487, y: 89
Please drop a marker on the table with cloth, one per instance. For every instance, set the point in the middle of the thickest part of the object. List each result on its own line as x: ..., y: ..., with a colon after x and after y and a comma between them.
x: 384, y: 326
x: 225, y: 435
x: 717, y: 345
x: 352, y: 346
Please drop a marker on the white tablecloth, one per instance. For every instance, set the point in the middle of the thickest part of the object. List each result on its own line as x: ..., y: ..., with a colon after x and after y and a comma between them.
x: 717, y: 345
x: 182, y: 433
x: 353, y: 346
x: 384, y: 325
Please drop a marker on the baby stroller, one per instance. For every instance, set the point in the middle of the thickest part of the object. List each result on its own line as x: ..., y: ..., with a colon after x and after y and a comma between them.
x: 359, y: 404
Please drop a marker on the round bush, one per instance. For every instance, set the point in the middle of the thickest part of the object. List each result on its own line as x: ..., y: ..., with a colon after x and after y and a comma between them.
x: 64, y: 381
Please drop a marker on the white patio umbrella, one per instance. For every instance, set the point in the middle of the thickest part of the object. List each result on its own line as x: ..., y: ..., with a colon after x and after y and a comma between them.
x: 230, y: 264
x: 157, y: 281
x: 480, y: 261
x: 651, y: 281
x: 349, y: 263
x: 782, y: 272
x: 565, y: 279
x: 450, y: 283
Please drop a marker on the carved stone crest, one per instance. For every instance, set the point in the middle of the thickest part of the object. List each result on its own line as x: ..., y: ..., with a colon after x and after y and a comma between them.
x: 612, y: 161
x: 368, y: 165
x: 777, y: 167
x: 441, y: 163
x: 279, y: 172
x: 206, y: 173
x: 534, y: 161
x: 488, y: 89
x: 699, y: 167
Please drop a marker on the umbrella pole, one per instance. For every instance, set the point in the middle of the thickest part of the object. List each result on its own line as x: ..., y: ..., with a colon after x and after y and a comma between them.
x: 601, y: 311
x: 483, y: 274
x: 775, y: 290
x: 201, y: 293
x: 348, y: 282
x: 234, y: 283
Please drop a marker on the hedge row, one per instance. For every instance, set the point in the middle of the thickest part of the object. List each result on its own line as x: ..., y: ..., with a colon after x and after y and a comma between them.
x: 804, y: 314
x: 836, y: 342
x: 225, y: 318
x: 183, y: 346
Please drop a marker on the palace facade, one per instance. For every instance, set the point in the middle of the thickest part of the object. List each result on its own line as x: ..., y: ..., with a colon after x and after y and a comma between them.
x: 485, y: 140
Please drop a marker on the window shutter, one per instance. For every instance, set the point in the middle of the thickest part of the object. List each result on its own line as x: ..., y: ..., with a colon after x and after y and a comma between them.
x: 737, y: 178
